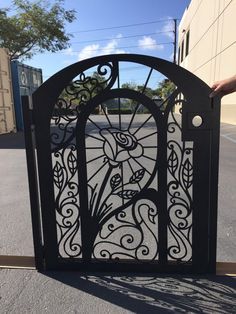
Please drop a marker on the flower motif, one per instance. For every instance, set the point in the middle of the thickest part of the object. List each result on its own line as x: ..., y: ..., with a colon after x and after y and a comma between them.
x: 120, y: 146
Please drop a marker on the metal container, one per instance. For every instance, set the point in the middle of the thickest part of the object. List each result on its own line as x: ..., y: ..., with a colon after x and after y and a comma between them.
x: 7, y: 114
x: 25, y: 80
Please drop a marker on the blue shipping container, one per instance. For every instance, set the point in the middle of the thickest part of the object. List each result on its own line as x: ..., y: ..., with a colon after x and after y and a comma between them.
x: 25, y: 80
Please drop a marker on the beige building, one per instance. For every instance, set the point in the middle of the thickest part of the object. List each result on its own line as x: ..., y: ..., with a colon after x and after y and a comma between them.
x: 7, y: 113
x: 207, y: 45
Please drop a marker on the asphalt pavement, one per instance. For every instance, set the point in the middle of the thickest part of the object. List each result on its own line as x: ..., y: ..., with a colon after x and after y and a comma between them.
x: 28, y: 291
x: 226, y: 240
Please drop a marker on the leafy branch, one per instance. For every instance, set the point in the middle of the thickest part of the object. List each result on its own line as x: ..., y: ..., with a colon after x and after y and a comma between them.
x: 34, y: 27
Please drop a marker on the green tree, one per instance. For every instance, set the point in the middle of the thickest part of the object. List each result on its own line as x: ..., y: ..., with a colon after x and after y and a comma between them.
x: 129, y: 85
x: 148, y: 91
x: 165, y: 88
x: 34, y: 27
x: 130, y: 103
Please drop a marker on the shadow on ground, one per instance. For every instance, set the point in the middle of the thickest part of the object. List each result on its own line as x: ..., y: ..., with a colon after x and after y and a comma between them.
x: 152, y: 294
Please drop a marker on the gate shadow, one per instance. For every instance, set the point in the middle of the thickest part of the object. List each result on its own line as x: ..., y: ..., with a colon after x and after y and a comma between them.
x: 157, y: 294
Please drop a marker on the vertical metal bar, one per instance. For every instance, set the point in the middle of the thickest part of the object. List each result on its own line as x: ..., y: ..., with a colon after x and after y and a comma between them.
x: 46, y: 184
x: 201, y: 201
x: 87, y: 228
x: 33, y: 184
x: 143, y: 90
x: 214, y: 187
x: 162, y: 190
x: 118, y: 80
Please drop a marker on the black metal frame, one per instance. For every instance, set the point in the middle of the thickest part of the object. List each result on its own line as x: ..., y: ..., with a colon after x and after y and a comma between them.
x: 199, y: 173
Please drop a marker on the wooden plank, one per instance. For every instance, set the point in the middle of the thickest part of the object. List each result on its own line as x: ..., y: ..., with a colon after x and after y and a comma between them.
x: 226, y: 269
x: 28, y: 262
x: 21, y: 262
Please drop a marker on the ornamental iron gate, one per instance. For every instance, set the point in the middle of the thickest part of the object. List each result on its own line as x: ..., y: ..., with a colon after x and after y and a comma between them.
x: 120, y: 181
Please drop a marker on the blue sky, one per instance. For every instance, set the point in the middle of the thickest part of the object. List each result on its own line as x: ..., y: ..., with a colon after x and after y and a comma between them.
x: 126, y: 26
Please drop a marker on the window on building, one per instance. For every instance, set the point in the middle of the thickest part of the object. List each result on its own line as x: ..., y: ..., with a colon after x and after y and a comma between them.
x: 179, y: 55
x: 182, y: 52
x: 187, y: 44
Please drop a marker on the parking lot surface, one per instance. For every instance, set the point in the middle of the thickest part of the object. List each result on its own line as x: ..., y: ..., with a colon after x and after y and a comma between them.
x: 27, y: 291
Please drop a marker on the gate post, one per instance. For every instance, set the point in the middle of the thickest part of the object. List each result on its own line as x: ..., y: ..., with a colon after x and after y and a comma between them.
x: 206, y: 158
x: 33, y: 182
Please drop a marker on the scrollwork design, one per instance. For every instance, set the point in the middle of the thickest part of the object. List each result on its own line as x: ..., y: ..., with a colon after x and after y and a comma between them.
x: 132, y: 234
x: 63, y: 123
x: 74, y: 98
x: 67, y: 209
x: 180, y: 180
x: 86, y: 87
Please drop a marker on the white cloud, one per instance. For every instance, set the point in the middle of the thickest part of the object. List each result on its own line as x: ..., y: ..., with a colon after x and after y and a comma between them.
x: 96, y: 49
x: 148, y: 43
x: 110, y: 47
x: 71, y: 56
x: 89, y: 51
x: 168, y: 28
x: 69, y: 52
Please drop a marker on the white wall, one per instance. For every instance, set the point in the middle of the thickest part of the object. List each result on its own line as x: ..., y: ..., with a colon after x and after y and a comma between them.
x: 212, y: 46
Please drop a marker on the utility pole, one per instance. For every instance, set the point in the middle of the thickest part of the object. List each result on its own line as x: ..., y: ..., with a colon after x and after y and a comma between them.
x: 175, y: 40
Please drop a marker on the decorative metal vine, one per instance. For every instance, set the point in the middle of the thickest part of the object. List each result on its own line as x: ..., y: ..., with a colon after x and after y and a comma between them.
x: 121, y: 162
x: 180, y: 180
x: 66, y: 200
x: 73, y: 99
x: 64, y: 157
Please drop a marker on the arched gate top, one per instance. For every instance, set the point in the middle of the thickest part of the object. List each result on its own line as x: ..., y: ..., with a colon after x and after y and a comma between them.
x: 190, y: 85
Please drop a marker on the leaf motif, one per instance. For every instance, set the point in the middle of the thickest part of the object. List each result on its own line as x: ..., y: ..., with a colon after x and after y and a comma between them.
x: 187, y: 174
x: 72, y: 162
x: 115, y: 181
x: 127, y: 194
x: 137, y: 176
x: 173, y: 162
x: 58, y: 175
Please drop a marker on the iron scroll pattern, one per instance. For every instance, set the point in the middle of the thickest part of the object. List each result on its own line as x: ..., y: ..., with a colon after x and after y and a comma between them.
x: 121, y: 163
x: 180, y: 181
x: 122, y: 224
x: 74, y: 98
x: 64, y: 157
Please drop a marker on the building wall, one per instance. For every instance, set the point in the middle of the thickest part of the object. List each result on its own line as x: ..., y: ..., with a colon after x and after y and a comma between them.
x: 212, y: 45
x: 7, y: 115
